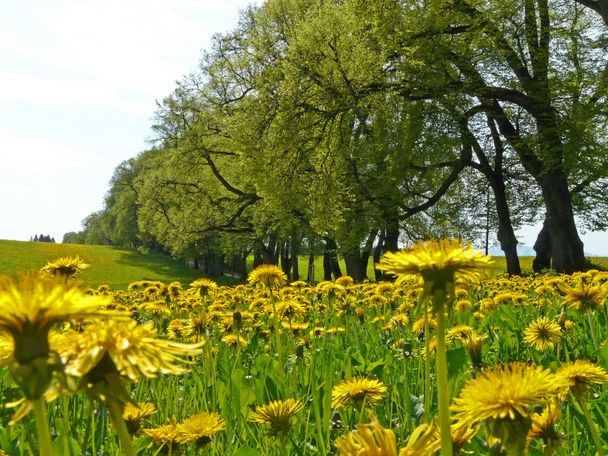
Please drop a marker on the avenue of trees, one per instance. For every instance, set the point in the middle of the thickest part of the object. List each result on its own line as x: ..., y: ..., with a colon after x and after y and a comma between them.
x: 350, y: 127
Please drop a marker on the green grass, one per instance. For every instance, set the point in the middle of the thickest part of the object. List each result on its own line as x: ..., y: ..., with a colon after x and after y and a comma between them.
x: 112, y: 266
x: 118, y: 267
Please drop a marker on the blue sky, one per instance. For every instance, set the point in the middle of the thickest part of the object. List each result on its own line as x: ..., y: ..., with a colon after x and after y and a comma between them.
x: 79, y: 80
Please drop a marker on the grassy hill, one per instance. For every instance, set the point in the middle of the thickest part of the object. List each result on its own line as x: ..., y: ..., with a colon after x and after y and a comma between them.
x: 108, y: 265
x: 118, y: 267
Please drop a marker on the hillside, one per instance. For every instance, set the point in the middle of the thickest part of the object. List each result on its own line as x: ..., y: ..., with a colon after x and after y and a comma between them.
x: 109, y: 265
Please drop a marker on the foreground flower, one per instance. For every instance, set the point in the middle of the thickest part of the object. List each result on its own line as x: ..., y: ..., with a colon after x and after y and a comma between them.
x: 200, y: 428
x: 277, y: 414
x: 542, y: 334
x: 65, y: 267
x: 422, y: 442
x: 358, y: 391
x: 133, y: 349
x: 368, y: 440
x: 28, y: 310
x: 445, y: 259
x: 267, y: 275
x: 502, y: 397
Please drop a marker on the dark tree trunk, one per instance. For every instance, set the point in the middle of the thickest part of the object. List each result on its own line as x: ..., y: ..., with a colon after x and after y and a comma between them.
x: 354, y: 266
x: 542, y: 247
x: 326, y: 265
x: 378, y: 251
x: 331, y: 256
x: 285, y: 259
x: 311, y: 264
x: 506, y: 235
x: 566, y: 246
x: 258, y: 259
x: 295, y: 250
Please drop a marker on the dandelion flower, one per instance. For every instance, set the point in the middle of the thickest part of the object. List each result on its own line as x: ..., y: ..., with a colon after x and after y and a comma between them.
x: 200, y: 428
x: 134, y: 349
x: 203, y: 286
x: 267, y: 275
x: 163, y: 435
x: 234, y: 340
x: 584, y: 297
x: 277, y: 414
x: 357, y: 391
x: 27, y: 312
x: 422, y: 442
x: 438, y: 261
x: 64, y: 267
x: 368, y: 440
x: 543, y: 426
x: 542, y: 334
x: 503, y: 396
x: 580, y: 374
x: 505, y: 392
x: 134, y: 414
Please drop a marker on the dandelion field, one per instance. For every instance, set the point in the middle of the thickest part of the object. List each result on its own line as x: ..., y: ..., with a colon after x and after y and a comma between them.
x: 290, y: 369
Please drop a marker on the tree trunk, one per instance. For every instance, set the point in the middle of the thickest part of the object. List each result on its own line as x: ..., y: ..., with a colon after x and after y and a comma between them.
x: 378, y: 251
x: 542, y: 247
x: 285, y: 259
x: 506, y: 235
x: 295, y: 248
x: 354, y: 268
x: 566, y: 246
x: 331, y: 251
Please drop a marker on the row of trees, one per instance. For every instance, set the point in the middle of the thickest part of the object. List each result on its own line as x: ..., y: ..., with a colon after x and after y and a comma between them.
x: 348, y: 125
x: 42, y: 238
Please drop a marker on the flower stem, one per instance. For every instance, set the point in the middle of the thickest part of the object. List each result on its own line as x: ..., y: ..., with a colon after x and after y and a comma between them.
x: 427, y: 366
x: 592, y: 429
x: 120, y: 427
x: 42, y: 427
x: 442, y: 376
x: 592, y: 330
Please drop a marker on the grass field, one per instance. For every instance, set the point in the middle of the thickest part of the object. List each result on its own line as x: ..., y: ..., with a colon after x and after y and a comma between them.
x: 118, y: 267
x: 108, y: 265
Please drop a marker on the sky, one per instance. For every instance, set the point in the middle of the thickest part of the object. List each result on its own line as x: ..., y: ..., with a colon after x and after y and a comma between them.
x: 79, y: 81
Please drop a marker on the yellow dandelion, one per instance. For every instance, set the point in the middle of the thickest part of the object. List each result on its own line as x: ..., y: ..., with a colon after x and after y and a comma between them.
x: 422, y: 442
x: 584, y: 297
x: 368, y: 440
x: 234, y: 340
x: 505, y: 392
x: 64, y: 267
x: 27, y: 312
x: 7, y: 346
x: 460, y: 332
x: 179, y: 328
x: 134, y: 414
x: 580, y: 374
x: 203, y: 286
x: 438, y: 261
x: 418, y: 325
x: 289, y: 308
x: 474, y: 345
x: 357, y: 392
x: 543, y: 426
x: 200, y: 428
x: 463, y: 305
x: 163, y: 435
x: 133, y: 349
x: 542, y: 334
x: 267, y: 275
x: 277, y: 414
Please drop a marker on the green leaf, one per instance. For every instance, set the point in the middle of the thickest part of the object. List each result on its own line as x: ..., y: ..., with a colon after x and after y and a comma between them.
x: 246, y: 451
x: 66, y: 445
x: 457, y: 361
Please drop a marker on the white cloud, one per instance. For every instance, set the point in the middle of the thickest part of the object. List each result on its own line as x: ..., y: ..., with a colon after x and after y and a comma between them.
x: 66, y: 91
x: 23, y: 155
